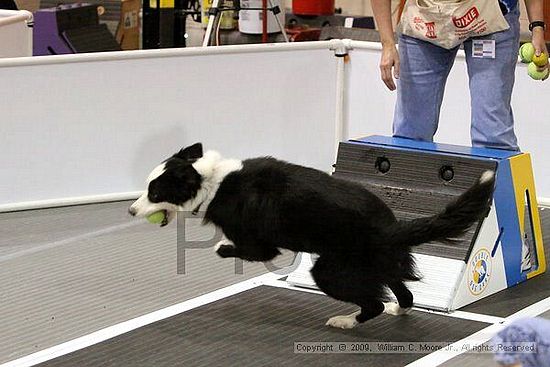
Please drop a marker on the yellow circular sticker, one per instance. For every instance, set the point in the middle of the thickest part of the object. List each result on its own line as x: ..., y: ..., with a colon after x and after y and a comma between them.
x: 479, y: 271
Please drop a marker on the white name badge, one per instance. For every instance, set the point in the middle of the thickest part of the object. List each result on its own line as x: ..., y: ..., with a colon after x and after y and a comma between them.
x: 484, y: 49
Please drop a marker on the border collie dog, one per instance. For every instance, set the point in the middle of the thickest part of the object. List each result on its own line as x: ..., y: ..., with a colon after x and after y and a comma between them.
x: 264, y: 204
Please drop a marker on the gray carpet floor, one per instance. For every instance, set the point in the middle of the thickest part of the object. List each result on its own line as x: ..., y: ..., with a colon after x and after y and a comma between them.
x: 67, y: 272
x: 258, y: 328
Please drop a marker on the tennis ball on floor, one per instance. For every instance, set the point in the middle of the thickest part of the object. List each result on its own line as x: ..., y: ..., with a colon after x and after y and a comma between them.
x: 526, y: 52
x: 540, y: 60
x: 156, y: 217
x: 535, y: 74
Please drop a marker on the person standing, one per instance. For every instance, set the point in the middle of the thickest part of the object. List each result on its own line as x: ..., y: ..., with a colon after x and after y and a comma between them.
x: 430, y: 34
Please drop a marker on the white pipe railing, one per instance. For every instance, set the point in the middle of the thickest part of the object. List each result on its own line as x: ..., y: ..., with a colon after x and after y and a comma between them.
x: 78, y: 200
x: 14, y: 16
x: 176, y: 52
x: 341, y: 124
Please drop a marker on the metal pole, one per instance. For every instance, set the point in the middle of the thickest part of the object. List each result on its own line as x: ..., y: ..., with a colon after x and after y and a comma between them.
x: 264, y: 21
x: 281, y: 27
x: 210, y: 26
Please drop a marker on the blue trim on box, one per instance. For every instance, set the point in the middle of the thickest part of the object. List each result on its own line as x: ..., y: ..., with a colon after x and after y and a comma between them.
x: 436, y: 147
x: 507, y: 217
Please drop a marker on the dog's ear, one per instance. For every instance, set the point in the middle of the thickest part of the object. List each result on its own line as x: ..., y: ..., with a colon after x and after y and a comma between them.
x: 187, y: 174
x: 191, y: 153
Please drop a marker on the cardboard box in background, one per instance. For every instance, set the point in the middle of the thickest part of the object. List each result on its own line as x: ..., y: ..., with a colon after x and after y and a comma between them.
x: 127, y: 33
x: 30, y: 5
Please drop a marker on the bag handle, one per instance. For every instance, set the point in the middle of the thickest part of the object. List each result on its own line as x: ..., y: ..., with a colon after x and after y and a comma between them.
x: 400, y: 9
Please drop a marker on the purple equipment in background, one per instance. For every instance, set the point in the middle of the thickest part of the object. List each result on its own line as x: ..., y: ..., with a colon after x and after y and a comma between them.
x: 70, y: 28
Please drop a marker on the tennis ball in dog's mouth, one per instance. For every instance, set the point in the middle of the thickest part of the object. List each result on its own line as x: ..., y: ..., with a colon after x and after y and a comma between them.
x: 156, y: 217
x: 526, y: 52
x: 533, y: 72
x: 540, y: 60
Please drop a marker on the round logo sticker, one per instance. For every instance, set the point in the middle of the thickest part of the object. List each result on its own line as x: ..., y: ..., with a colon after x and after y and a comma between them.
x: 479, y: 271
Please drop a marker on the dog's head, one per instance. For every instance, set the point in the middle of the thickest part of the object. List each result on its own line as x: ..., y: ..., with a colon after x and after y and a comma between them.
x: 171, y: 186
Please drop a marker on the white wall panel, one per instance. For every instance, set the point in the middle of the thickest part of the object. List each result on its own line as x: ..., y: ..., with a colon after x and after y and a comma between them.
x: 88, y: 125
x: 83, y: 125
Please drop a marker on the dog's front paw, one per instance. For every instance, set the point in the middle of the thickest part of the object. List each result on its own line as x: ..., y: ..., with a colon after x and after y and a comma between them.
x: 223, y: 242
x: 343, y: 321
x: 226, y: 250
x: 393, y: 308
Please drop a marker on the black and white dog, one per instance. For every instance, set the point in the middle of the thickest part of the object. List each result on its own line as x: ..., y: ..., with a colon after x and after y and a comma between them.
x: 264, y: 204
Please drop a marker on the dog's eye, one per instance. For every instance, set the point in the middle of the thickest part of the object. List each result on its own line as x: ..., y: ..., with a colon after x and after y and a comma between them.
x: 153, y: 197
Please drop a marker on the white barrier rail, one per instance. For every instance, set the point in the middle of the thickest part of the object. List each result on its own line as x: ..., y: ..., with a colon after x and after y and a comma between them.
x: 76, y: 128
x: 88, y: 127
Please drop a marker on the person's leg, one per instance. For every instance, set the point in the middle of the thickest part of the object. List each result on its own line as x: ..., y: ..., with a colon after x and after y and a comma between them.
x: 420, y: 87
x: 491, y: 84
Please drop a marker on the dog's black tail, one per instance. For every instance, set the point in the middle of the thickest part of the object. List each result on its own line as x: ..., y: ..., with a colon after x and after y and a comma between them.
x: 457, y: 217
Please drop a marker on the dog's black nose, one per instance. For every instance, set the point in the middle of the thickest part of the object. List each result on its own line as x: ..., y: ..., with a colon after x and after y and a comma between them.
x: 132, y: 211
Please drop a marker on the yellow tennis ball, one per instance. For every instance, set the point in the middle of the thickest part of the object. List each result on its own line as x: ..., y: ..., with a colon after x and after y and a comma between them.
x: 526, y: 52
x: 534, y: 73
x: 540, y: 60
x: 156, y: 217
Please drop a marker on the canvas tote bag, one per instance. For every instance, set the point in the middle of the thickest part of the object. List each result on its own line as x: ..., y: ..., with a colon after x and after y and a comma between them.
x: 448, y: 23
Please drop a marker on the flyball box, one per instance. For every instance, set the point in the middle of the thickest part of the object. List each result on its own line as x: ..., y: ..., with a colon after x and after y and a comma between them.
x: 419, y: 179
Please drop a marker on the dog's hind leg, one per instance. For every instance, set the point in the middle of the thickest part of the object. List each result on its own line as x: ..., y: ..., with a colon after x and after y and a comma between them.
x: 348, y: 282
x: 369, y: 310
x: 404, y: 300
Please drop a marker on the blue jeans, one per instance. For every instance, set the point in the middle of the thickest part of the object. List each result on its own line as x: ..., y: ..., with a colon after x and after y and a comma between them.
x: 424, y: 71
